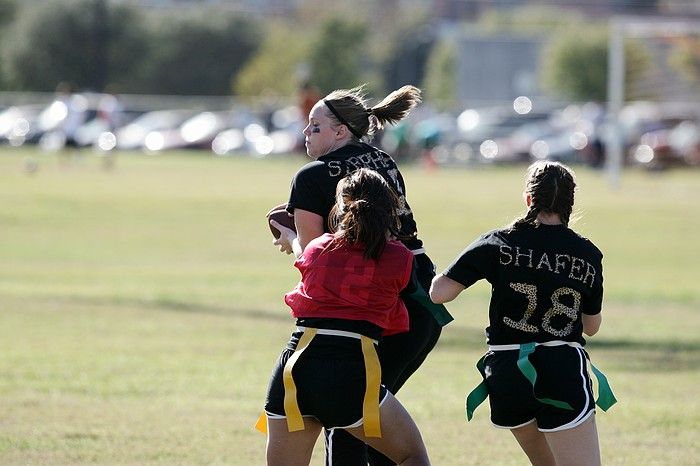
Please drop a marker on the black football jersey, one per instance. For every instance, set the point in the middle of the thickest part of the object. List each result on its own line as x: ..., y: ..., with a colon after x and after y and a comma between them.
x: 313, y: 187
x: 543, y: 278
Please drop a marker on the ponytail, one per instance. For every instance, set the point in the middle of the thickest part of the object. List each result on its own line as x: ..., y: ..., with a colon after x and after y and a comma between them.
x: 396, y: 106
x: 366, y: 212
x: 349, y: 107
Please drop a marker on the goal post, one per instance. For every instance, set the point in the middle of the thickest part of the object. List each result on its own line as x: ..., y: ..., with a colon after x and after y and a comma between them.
x: 621, y: 28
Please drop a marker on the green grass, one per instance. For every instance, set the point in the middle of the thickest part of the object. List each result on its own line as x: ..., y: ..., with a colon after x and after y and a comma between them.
x: 141, y: 309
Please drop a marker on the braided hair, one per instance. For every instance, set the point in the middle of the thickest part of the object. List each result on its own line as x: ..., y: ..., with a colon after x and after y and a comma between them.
x: 551, y: 186
x: 349, y: 107
x: 366, y: 212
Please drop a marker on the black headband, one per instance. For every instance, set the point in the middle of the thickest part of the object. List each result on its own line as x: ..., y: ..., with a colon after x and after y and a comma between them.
x: 341, y: 119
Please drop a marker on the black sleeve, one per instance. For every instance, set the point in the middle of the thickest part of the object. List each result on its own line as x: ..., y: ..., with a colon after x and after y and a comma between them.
x: 474, y: 263
x: 307, y: 191
x: 595, y: 303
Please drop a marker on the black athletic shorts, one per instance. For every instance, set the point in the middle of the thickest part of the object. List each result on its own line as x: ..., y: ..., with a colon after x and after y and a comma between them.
x: 562, y: 375
x: 330, y: 380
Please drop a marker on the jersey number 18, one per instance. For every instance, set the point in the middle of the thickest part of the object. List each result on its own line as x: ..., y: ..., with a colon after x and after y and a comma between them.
x: 558, y: 308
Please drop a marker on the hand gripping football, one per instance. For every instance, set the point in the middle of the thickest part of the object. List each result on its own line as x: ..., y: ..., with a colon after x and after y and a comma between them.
x: 281, y: 216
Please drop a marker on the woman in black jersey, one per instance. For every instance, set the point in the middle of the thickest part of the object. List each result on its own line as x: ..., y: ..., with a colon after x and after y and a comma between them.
x: 335, y: 138
x: 547, y: 290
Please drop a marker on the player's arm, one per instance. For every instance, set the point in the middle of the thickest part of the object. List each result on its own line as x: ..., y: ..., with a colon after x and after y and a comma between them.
x: 443, y: 289
x: 287, y: 240
x: 309, y: 226
x: 591, y: 323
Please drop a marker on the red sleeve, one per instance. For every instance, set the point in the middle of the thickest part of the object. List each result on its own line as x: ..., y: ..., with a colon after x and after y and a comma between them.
x: 312, y: 250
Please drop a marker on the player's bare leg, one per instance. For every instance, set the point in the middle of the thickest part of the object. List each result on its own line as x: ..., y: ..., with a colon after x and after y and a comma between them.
x: 534, y: 444
x: 401, y: 440
x: 286, y: 448
x: 578, y: 446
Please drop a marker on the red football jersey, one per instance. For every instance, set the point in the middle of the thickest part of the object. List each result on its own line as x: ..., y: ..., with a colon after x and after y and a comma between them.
x: 338, y: 282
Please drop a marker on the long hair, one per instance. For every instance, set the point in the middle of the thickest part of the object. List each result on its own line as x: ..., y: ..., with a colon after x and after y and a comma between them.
x: 366, y: 212
x: 350, y: 108
x: 551, y: 186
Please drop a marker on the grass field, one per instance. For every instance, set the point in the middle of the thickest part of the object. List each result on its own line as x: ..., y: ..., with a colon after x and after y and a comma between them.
x: 141, y: 309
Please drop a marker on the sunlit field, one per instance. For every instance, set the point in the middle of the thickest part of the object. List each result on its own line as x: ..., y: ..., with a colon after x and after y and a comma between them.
x: 141, y: 309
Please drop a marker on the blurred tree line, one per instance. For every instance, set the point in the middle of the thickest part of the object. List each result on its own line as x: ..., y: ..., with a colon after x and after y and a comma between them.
x: 98, y: 45
x: 101, y: 45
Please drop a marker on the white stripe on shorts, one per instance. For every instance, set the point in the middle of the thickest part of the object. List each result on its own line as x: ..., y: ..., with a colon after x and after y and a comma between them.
x: 586, y: 412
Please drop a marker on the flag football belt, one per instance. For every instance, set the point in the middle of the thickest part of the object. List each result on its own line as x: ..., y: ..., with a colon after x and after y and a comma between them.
x: 605, y: 399
x: 373, y: 376
x: 439, y: 311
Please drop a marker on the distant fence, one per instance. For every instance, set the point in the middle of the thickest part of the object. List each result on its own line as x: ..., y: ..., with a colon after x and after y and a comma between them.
x: 139, y: 102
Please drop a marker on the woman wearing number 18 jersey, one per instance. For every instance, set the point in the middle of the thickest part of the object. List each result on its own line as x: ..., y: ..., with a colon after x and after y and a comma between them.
x: 547, y: 290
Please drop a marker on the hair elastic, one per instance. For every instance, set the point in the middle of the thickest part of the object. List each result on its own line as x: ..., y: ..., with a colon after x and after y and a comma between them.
x: 341, y: 119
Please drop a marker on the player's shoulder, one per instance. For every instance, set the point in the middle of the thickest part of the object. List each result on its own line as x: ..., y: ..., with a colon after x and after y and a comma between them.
x: 321, y: 242
x: 397, y: 247
x: 395, y: 252
x: 316, y: 246
x: 311, y: 168
x: 311, y: 173
x: 586, y: 243
x: 497, y: 236
x: 486, y: 242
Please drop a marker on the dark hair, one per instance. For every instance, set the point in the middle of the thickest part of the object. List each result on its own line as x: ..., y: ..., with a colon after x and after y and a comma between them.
x: 366, y: 212
x: 551, y: 186
x: 349, y: 107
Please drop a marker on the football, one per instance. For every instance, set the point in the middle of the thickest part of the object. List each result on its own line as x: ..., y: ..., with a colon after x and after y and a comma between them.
x: 281, y: 216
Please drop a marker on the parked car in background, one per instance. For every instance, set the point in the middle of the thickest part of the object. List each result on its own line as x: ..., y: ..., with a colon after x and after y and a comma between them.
x: 197, y: 131
x: 59, y: 122
x: 518, y: 146
x: 487, y: 131
x: 91, y: 131
x: 685, y: 138
x: 134, y: 135
x: 18, y: 124
x: 255, y: 140
x: 281, y: 134
x: 677, y: 145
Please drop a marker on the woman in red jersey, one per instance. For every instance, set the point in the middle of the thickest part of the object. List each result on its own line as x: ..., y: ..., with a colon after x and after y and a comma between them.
x: 329, y: 375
